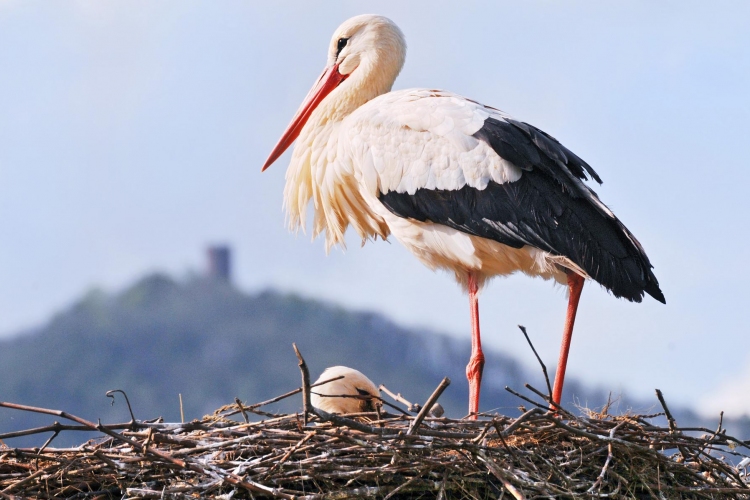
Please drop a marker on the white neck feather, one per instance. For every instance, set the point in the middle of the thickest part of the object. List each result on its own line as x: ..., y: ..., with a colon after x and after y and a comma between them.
x: 317, y: 172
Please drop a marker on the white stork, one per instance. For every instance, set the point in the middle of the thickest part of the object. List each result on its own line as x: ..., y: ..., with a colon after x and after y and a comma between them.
x: 355, y: 393
x: 465, y: 187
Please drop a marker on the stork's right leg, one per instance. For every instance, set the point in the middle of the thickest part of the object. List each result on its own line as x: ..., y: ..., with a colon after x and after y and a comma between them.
x: 476, y: 362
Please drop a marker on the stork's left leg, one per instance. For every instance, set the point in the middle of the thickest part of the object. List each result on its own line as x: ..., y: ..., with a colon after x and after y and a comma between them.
x: 575, y: 285
x: 476, y: 362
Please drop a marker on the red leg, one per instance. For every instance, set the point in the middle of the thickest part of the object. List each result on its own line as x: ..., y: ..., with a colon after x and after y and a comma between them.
x: 575, y: 285
x: 476, y: 362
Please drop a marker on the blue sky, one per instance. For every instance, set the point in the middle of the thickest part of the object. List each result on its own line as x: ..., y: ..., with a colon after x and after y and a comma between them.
x: 132, y: 135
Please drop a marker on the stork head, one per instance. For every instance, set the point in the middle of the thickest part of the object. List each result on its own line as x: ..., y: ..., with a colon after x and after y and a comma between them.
x: 354, y: 393
x: 365, y: 55
x: 372, y: 42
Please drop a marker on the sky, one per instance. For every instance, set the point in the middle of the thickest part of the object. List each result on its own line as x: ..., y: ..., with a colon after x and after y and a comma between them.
x: 132, y: 136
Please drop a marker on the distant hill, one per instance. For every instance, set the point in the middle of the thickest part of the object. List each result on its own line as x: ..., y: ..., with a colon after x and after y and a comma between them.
x: 210, y: 342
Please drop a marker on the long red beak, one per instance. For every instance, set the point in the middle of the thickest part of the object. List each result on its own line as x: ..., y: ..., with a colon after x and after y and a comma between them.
x: 329, y: 80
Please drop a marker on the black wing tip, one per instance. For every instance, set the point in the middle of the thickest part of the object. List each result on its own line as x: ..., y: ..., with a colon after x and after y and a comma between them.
x: 654, y: 290
x: 636, y: 294
x: 591, y: 172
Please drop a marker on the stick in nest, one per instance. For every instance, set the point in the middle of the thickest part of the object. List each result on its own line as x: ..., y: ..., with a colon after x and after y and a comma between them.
x: 544, y: 367
x: 307, y: 406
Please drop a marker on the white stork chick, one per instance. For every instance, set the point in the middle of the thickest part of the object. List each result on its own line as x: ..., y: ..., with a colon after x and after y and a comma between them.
x: 354, y: 393
x: 465, y: 187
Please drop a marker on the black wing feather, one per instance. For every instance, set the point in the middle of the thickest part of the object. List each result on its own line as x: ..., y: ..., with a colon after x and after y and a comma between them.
x: 548, y: 208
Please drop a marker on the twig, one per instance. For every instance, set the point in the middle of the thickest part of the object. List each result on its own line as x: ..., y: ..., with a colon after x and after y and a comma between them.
x: 672, y: 423
x: 544, y: 367
x: 242, y: 409
x: 414, y: 408
x: 598, y: 483
x: 528, y: 400
x: 289, y: 453
x: 498, y: 473
x: 339, y: 420
x: 491, y: 424
x: 307, y: 405
x: 508, y: 448
x: 403, y: 485
x: 670, y: 418
x: 548, y: 399
x: 391, y: 405
x: 56, y: 427
x: 428, y: 405
x: 182, y: 411
x: 517, y: 422
x: 252, y: 407
x: 101, y: 456
x: 44, y: 446
x: 111, y: 394
x: 714, y: 434
x: 436, y: 410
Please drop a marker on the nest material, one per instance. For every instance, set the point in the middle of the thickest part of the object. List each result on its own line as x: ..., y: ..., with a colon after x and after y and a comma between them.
x: 539, y: 454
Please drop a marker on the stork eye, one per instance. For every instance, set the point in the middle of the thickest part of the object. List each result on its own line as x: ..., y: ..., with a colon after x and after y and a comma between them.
x: 340, y: 46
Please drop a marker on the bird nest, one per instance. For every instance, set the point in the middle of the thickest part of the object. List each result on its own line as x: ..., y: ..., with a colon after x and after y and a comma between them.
x: 242, y: 452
